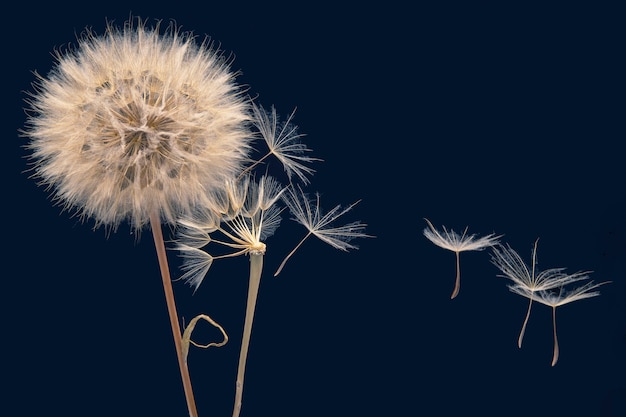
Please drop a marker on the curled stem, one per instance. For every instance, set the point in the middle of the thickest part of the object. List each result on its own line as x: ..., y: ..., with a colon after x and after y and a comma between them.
x: 189, y: 329
x: 256, y: 267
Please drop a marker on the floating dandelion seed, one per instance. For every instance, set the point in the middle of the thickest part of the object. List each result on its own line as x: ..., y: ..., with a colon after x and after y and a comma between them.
x: 140, y: 126
x: 514, y: 268
x: 456, y: 243
x: 307, y: 212
x: 558, y: 298
x: 283, y: 141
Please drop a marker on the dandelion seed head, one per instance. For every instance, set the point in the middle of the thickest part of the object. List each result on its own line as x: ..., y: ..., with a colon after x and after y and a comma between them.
x: 136, y: 121
x: 247, y: 215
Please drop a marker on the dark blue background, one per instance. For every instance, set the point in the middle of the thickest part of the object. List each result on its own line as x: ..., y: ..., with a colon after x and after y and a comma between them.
x: 507, y: 119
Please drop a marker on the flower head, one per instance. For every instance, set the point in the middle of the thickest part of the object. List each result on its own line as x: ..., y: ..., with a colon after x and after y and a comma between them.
x: 137, y: 122
x: 247, y: 216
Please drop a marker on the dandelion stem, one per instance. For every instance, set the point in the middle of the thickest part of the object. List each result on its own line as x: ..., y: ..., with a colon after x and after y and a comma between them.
x: 256, y: 266
x: 521, y: 333
x: 457, y: 284
x: 555, y: 355
x: 157, y: 234
x: 282, y: 264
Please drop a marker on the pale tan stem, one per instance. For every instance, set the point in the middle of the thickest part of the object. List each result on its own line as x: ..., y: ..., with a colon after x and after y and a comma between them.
x: 555, y: 355
x: 157, y: 234
x: 256, y: 266
x: 521, y: 333
x: 457, y: 284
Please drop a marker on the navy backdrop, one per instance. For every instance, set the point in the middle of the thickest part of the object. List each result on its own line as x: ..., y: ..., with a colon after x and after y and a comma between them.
x: 508, y: 120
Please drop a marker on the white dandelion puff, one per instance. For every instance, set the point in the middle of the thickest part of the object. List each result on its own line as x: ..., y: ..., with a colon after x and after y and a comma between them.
x: 135, y: 122
x: 513, y: 267
x: 456, y: 243
x: 307, y: 212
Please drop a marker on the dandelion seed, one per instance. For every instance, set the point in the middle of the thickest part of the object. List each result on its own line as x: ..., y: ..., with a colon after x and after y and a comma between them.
x: 558, y: 298
x: 307, y: 212
x: 140, y: 126
x: 196, y: 264
x: 514, y: 268
x: 456, y: 243
x: 283, y: 141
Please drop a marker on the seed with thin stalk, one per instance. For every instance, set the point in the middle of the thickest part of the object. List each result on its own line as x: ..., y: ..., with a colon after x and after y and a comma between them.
x: 513, y: 267
x: 283, y: 141
x: 456, y: 243
x: 307, y: 212
x: 558, y: 298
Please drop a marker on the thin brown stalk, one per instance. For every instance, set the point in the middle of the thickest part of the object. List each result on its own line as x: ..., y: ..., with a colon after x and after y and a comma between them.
x: 457, y: 283
x: 157, y: 234
x: 555, y: 354
x: 521, y: 333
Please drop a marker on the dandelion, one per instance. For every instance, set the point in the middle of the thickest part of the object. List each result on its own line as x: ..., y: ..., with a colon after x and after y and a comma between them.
x: 514, y: 268
x: 307, y: 212
x: 558, y: 298
x: 248, y: 214
x: 456, y: 243
x: 244, y: 214
x: 140, y: 126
